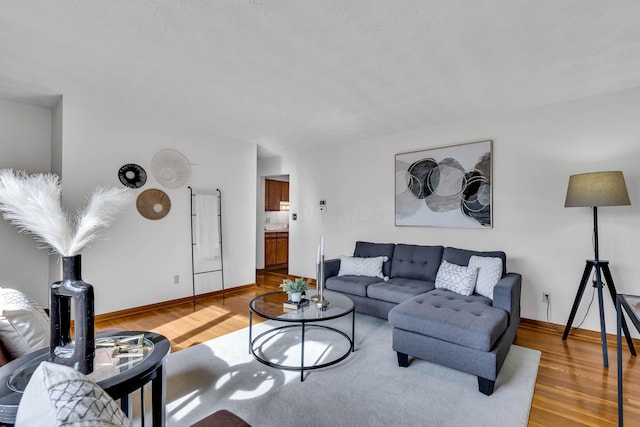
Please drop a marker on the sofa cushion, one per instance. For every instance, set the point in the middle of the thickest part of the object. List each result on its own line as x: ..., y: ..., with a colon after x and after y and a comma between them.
x: 354, y: 266
x: 456, y: 278
x: 462, y: 256
x: 368, y: 250
x: 398, y: 289
x: 469, y: 321
x: 416, y: 262
x: 354, y: 285
x: 489, y: 272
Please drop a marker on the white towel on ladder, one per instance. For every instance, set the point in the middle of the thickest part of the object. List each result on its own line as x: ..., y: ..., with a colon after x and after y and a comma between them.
x: 206, y: 230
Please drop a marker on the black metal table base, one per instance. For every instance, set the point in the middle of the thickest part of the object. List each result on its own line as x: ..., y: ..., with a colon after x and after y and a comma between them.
x: 304, y: 326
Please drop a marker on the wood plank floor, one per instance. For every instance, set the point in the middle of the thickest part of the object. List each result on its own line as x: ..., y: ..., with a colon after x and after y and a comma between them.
x: 572, y: 389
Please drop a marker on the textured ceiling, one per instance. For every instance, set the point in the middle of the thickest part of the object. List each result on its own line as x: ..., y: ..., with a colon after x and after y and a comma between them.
x: 292, y: 73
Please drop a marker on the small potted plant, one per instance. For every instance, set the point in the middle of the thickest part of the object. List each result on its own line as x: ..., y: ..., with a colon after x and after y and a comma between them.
x: 295, y: 288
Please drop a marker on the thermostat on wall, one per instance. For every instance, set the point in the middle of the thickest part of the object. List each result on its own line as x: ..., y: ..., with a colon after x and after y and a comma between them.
x: 323, y: 205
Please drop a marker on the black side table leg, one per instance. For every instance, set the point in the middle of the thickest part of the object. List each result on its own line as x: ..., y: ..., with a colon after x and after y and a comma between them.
x: 250, y: 328
x: 614, y: 298
x: 158, y: 396
x: 619, y: 343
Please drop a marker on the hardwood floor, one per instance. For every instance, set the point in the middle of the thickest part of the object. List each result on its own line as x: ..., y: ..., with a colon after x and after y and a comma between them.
x: 572, y: 389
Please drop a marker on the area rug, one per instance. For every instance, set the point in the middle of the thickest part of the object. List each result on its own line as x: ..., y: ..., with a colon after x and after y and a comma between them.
x: 367, y: 388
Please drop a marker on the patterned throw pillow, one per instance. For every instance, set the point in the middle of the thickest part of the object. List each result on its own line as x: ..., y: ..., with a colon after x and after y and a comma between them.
x: 24, y: 325
x: 58, y: 395
x: 489, y: 272
x: 370, y: 267
x: 456, y: 278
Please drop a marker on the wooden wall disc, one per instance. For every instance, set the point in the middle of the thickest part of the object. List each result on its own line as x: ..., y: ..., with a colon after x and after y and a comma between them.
x: 153, y: 204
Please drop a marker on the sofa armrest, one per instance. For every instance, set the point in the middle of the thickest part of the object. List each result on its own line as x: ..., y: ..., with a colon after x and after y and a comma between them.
x: 506, y: 294
x: 331, y: 268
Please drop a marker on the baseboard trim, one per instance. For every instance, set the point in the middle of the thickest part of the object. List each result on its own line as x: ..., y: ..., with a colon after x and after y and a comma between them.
x: 575, y: 332
x: 167, y: 304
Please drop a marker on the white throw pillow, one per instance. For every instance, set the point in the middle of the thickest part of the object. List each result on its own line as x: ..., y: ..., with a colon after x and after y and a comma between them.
x: 456, y: 278
x: 58, y: 395
x: 370, y: 267
x: 24, y: 325
x: 489, y: 272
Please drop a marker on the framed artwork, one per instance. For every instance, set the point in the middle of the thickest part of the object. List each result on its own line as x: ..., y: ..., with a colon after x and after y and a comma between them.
x: 445, y: 187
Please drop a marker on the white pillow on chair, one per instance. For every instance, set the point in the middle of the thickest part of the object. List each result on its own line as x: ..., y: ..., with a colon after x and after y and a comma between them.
x: 58, y: 395
x: 24, y: 325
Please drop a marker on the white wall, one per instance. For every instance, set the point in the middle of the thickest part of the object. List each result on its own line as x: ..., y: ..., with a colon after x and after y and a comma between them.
x: 136, y: 262
x: 535, y: 151
x: 25, y: 144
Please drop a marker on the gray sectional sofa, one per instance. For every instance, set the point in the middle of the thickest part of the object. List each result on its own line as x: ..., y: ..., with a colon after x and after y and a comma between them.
x: 469, y: 333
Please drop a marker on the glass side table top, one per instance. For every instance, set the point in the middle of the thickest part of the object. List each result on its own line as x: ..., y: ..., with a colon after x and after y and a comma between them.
x: 270, y: 306
x: 105, y: 363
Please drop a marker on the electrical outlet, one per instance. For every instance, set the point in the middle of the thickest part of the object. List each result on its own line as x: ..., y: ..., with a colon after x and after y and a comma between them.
x: 176, y: 279
x: 546, y: 298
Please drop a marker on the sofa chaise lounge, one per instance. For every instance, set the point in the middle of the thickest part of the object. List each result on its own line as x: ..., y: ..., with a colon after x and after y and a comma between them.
x: 431, y: 320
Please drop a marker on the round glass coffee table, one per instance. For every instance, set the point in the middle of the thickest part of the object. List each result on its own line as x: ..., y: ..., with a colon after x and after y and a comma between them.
x: 270, y: 306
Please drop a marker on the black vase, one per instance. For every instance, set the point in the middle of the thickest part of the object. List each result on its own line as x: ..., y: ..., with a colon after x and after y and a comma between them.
x: 79, y: 352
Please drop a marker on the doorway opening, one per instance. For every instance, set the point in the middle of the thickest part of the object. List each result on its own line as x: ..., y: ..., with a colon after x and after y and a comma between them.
x: 275, y: 224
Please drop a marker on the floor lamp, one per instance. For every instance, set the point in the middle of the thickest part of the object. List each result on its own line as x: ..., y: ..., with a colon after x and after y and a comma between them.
x: 593, y: 190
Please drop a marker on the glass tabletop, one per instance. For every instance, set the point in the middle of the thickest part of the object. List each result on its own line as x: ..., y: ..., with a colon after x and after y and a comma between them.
x: 107, y: 363
x: 271, y: 306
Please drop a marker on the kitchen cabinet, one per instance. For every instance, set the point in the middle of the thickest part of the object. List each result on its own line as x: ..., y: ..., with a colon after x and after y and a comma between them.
x: 276, y: 249
x: 274, y: 193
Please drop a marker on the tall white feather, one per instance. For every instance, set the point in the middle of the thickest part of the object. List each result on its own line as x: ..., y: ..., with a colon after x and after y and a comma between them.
x: 33, y: 204
x: 104, y: 205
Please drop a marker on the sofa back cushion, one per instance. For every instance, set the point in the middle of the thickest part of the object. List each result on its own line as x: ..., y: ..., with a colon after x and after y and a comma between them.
x: 462, y: 256
x: 368, y: 250
x: 416, y: 262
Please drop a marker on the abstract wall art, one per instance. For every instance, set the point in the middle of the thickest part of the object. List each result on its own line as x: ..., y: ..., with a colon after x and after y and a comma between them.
x: 445, y: 187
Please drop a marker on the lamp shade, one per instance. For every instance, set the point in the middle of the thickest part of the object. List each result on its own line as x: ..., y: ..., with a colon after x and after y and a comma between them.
x: 597, y: 189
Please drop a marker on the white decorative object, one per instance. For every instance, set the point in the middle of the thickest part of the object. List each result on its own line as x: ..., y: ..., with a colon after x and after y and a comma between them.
x: 57, y: 395
x: 170, y: 168
x: 24, y: 325
x: 318, y: 299
x: 489, y: 272
x: 33, y: 204
x: 369, y: 267
x: 296, y: 296
x: 456, y: 278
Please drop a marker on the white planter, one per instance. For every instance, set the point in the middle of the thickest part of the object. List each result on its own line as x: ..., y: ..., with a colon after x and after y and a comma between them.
x: 295, y: 296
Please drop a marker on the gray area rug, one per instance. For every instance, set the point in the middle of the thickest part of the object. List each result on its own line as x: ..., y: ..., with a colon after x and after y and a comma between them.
x: 366, y: 389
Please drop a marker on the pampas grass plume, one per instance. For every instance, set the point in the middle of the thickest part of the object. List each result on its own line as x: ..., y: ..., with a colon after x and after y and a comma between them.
x: 33, y: 203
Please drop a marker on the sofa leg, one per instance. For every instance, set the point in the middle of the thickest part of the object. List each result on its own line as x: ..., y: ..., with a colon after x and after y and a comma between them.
x: 403, y: 359
x: 486, y: 386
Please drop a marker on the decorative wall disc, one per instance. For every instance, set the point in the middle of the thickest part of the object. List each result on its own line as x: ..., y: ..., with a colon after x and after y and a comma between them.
x: 170, y: 168
x: 153, y: 204
x: 132, y: 175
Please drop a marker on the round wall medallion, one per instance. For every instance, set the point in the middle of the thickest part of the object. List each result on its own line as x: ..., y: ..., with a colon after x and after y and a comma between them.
x: 153, y: 204
x: 170, y: 168
x: 132, y: 175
